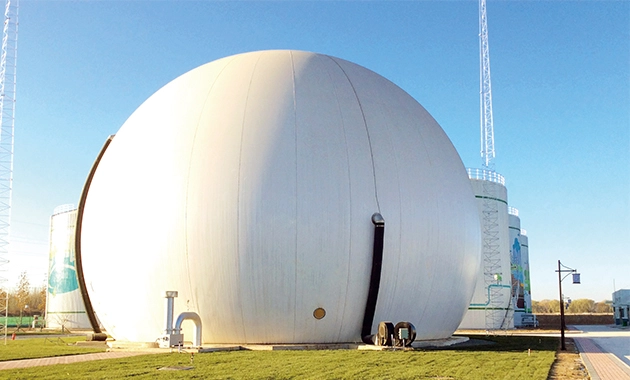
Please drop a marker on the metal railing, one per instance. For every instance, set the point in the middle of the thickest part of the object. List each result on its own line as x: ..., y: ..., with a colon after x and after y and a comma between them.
x: 487, y: 175
x: 63, y: 208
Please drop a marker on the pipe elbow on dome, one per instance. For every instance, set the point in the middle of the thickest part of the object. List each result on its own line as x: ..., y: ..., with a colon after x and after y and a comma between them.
x: 377, y: 219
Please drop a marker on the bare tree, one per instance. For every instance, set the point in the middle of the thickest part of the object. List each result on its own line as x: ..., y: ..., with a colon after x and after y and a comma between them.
x: 37, y: 300
x: 603, y: 307
x: 546, y: 306
x: 582, y: 305
x: 23, y: 294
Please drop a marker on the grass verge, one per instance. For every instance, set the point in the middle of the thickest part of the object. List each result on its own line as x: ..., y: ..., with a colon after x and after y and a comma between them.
x: 42, y: 348
x: 506, y: 358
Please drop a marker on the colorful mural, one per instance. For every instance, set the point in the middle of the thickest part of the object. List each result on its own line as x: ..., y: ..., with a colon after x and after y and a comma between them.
x: 518, y: 276
x: 63, y: 274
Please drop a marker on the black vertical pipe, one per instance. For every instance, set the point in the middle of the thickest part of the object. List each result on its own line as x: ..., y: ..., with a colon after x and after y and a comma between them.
x: 77, y: 239
x: 375, y: 278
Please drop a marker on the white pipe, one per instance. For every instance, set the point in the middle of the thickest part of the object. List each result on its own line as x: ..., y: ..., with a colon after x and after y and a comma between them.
x: 196, y: 319
x: 170, y: 306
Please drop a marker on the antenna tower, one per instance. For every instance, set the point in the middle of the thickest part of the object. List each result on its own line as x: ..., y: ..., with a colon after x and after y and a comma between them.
x: 8, y: 61
x: 492, y: 271
x: 485, y: 88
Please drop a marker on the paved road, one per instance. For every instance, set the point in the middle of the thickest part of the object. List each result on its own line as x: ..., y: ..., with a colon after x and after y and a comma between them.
x: 24, y: 363
x: 605, y: 350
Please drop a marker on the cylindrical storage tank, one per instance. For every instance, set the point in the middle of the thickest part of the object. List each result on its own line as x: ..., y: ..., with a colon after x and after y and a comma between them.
x: 527, y: 288
x: 248, y: 185
x: 490, y: 305
x: 517, y: 274
x: 64, y: 304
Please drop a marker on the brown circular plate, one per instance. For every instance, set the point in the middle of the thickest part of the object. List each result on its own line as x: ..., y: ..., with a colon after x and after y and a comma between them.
x: 319, y: 313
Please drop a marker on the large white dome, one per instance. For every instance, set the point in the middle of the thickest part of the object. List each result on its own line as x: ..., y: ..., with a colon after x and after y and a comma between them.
x: 248, y: 185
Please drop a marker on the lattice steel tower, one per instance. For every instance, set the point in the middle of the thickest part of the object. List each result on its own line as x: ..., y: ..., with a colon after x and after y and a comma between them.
x: 492, y: 271
x: 485, y: 88
x: 7, y: 120
x: 8, y: 61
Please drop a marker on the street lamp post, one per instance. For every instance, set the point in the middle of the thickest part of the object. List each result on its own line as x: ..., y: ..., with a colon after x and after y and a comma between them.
x: 576, y: 280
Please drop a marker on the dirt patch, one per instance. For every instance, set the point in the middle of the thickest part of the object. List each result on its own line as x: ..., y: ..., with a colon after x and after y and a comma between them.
x: 568, y: 364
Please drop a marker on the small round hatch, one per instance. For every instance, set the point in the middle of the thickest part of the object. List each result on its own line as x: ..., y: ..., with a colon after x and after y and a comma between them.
x: 319, y: 313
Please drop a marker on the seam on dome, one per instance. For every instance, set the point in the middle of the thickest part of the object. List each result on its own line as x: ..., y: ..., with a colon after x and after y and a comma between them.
x: 388, y: 132
x: 194, y: 139
x: 295, y: 253
x: 238, y: 192
x: 367, y: 131
x: 423, y: 139
x: 345, y: 138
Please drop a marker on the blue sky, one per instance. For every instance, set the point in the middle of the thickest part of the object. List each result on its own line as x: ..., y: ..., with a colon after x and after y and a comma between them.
x: 561, y: 91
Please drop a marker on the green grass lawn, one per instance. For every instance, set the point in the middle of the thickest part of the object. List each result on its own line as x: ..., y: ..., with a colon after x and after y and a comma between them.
x: 506, y: 359
x: 41, y: 348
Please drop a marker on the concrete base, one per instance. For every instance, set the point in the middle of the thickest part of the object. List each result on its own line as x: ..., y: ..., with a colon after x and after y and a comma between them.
x: 151, y: 346
x: 276, y: 347
x: 118, y: 344
x: 219, y: 349
x: 91, y: 343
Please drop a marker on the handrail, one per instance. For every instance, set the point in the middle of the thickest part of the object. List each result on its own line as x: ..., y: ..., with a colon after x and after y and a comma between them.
x: 486, y: 175
x: 63, y: 208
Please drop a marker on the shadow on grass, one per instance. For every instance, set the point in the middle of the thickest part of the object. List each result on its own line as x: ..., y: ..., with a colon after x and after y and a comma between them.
x: 506, y: 344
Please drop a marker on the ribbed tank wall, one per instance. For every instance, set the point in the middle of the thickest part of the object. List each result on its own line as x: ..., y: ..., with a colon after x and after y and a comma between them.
x: 64, y: 305
x: 475, y: 317
x: 527, y: 292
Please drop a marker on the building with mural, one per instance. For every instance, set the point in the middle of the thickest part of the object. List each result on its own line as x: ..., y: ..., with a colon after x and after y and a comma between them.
x: 64, y: 304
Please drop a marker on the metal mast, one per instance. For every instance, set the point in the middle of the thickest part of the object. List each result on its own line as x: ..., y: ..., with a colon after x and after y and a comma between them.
x: 492, y: 271
x: 7, y: 120
x: 485, y: 87
x: 8, y: 61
